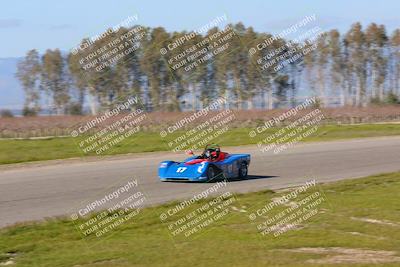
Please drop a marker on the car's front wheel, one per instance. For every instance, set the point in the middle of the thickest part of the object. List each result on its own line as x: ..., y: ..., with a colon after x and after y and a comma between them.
x: 243, y: 170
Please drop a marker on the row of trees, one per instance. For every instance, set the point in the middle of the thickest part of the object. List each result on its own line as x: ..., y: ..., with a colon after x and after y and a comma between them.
x: 361, y: 67
x: 357, y: 68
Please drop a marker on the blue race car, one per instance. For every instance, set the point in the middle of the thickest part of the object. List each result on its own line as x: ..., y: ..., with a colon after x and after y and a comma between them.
x: 212, y: 164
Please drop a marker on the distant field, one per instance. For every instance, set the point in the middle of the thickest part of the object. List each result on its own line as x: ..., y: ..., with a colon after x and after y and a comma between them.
x: 357, y: 224
x: 64, y: 125
x: 13, y: 151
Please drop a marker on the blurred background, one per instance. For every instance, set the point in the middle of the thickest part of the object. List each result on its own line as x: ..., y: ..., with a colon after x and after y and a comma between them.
x: 353, y: 61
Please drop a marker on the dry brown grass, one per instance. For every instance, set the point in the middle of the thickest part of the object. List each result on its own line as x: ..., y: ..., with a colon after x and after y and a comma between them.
x: 63, y: 125
x: 337, y: 255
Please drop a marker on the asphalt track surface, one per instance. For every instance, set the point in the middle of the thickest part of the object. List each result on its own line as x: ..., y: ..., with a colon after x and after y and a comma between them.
x: 55, y: 188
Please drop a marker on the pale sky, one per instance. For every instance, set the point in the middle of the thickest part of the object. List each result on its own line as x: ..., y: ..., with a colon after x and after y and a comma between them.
x: 42, y: 24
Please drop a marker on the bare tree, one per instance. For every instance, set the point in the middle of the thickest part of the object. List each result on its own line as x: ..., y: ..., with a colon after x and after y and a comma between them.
x: 28, y: 71
x: 54, y: 80
x: 355, y: 38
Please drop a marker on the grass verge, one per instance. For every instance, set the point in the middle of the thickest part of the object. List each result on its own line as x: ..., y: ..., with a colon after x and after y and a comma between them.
x: 15, y: 151
x: 357, y: 225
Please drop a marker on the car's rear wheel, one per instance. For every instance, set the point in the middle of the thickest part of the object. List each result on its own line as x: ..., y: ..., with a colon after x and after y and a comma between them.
x: 243, y: 170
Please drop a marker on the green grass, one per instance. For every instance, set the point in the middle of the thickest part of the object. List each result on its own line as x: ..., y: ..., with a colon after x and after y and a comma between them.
x: 232, y: 241
x: 14, y: 151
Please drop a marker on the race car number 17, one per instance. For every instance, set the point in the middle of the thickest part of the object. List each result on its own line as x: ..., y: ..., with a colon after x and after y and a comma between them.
x: 181, y: 169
